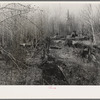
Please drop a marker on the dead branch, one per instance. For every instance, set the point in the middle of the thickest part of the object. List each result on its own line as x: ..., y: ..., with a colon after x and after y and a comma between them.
x: 11, y: 57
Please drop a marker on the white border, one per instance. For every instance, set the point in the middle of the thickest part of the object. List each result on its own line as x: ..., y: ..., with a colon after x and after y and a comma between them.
x: 41, y: 92
x: 48, y: 92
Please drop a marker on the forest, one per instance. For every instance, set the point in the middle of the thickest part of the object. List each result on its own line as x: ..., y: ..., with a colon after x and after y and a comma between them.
x: 39, y: 48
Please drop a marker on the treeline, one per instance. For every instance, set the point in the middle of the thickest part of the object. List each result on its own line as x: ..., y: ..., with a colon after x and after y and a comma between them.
x: 29, y: 25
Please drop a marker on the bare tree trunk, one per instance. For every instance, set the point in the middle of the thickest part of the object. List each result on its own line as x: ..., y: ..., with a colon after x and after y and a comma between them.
x: 93, y: 35
x: 89, y: 19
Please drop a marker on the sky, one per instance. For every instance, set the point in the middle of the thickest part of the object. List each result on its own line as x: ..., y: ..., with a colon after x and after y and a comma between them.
x: 62, y: 8
x: 54, y: 7
x: 59, y: 8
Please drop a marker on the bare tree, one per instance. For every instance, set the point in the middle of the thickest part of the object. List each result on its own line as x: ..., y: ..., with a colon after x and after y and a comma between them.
x: 71, y: 23
x: 88, y: 18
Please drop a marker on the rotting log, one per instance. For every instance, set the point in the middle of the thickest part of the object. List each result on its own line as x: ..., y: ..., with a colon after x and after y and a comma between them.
x: 26, y: 44
x: 54, y: 47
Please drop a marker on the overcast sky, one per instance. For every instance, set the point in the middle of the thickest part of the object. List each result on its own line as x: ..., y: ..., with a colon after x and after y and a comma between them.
x: 56, y: 8
x: 60, y: 8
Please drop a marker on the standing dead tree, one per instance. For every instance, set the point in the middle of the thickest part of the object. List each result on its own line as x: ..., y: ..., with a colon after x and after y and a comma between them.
x: 88, y: 18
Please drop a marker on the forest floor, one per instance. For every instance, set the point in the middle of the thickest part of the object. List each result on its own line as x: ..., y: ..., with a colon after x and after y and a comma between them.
x: 66, y: 67
x: 79, y: 70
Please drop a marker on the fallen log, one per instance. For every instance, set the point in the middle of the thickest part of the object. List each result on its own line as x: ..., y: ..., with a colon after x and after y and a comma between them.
x: 25, y: 44
x: 55, y: 47
x: 78, y: 38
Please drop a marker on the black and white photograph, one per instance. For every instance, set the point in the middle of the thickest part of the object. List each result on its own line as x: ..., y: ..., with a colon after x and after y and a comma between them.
x: 46, y: 43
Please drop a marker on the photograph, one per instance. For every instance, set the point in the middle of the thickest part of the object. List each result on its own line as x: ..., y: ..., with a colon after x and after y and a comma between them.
x: 49, y: 43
